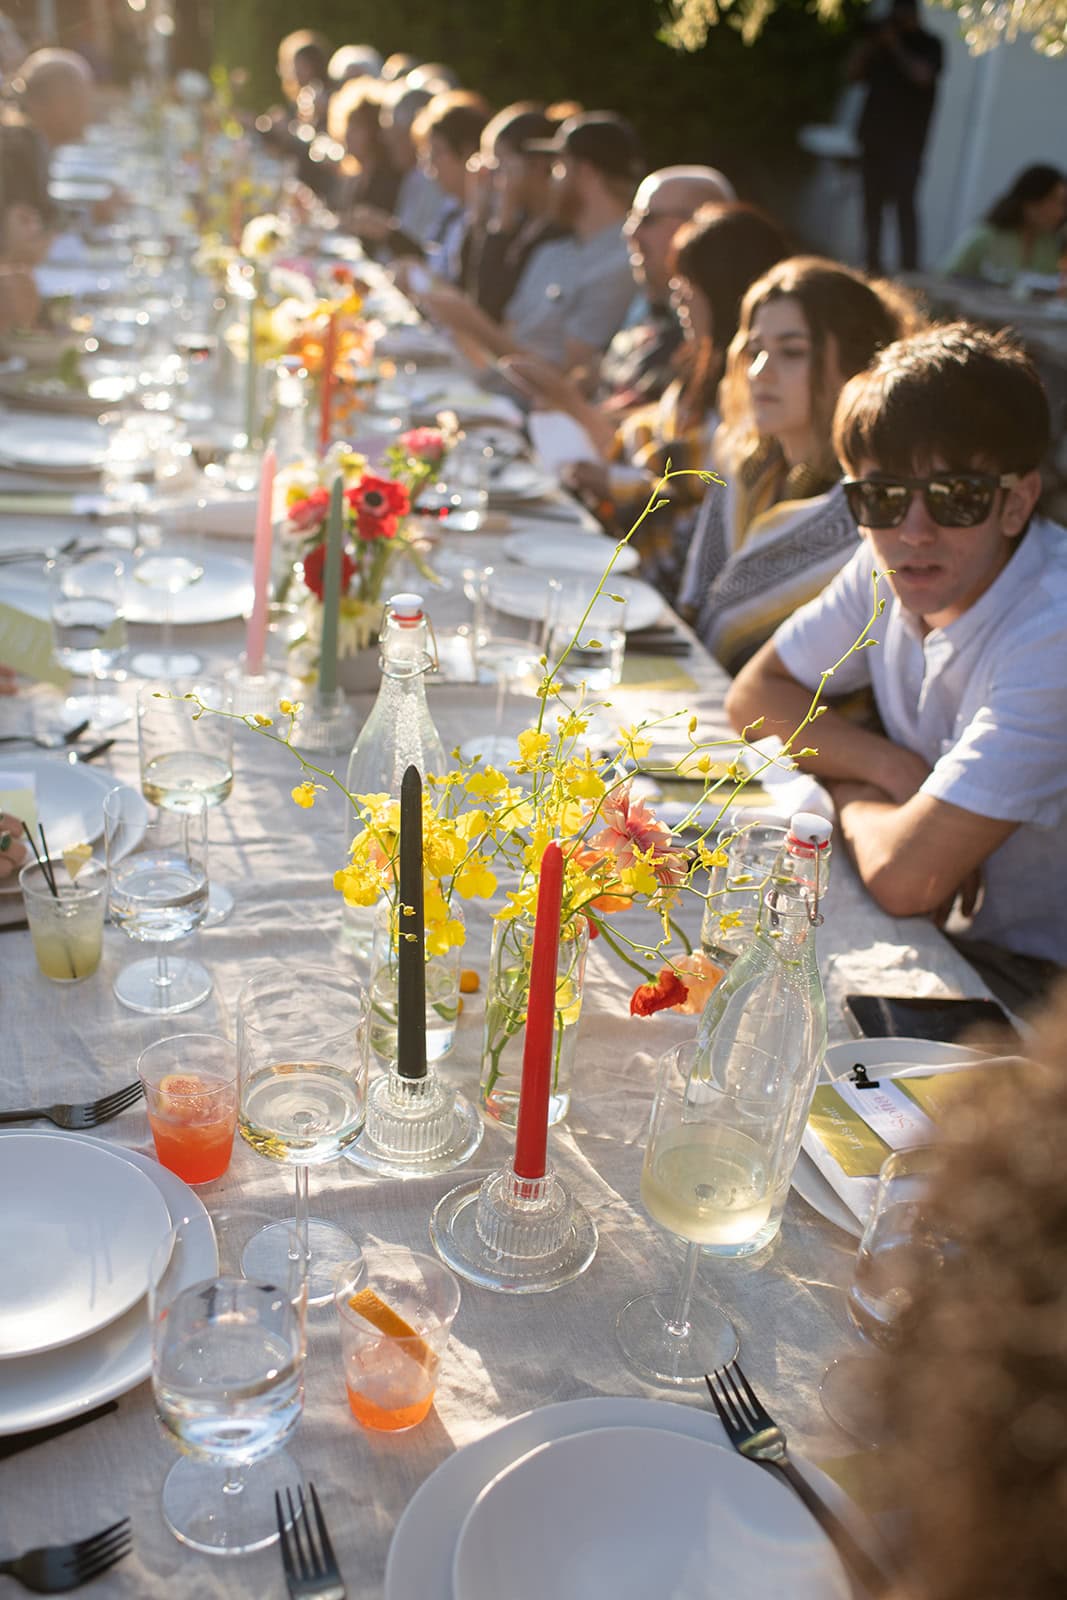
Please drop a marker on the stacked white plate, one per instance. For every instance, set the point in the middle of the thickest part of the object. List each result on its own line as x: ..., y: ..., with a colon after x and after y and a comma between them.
x: 83, y: 1221
x: 619, y: 1497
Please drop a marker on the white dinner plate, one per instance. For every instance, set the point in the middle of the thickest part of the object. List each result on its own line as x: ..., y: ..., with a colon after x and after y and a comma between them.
x: 225, y: 591
x: 557, y: 552
x: 524, y: 596
x: 69, y: 798
x: 518, y: 480
x: 52, y: 444
x: 658, y: 1514
x: 898, y: 1057
x: 80, y: 1229
x: 421, y: 1553
x: 38, y: 1390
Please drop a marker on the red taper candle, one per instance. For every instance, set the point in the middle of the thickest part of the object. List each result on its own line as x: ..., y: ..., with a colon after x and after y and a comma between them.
x: 531, y: 1135
x: 329, y: 356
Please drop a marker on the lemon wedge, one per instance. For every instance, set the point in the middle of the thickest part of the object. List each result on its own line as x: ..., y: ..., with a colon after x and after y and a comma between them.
x: 75, y: 858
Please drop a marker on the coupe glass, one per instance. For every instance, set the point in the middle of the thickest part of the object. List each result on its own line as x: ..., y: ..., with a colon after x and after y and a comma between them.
x: 302, y: 1062
x: 185, y: 752
x: 898, y: 1243
x: 158, y: 893
x: 228, y: 1377
x: 512, y: 620
x: 89, y: 631
x: 709, y: 1175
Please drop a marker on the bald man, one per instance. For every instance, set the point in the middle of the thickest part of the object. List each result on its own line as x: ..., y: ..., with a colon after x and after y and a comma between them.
x: 54, y: 89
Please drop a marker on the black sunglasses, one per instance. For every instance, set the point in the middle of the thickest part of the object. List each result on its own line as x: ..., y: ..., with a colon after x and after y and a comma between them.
x: 953, y: 499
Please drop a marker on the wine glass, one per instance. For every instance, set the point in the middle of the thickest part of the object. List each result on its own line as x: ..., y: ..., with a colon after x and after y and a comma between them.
x: 168, y: 575
x: 513, y: 613
x: 596, y: 657
x: 158, y: 893
x: 302, y: 1064
x: 898, y: 1243
x: 89, y: 631
x: 228, y: 1377
x: 710, y: 1174
x: 184, y: 753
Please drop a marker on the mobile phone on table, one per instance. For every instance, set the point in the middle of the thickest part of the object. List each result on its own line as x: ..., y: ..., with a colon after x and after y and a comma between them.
x: 886, y: 1016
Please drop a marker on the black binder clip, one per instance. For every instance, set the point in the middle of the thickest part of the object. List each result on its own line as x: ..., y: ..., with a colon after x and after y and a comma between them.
x: 859, y: 1077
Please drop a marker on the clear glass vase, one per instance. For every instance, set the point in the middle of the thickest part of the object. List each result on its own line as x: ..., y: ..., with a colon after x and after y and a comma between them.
x: 506, y: 1000
x: 442, y: 990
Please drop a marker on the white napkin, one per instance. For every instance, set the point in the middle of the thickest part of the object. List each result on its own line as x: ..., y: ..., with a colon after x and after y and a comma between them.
x: 558, y: 438
x: 226, y: 515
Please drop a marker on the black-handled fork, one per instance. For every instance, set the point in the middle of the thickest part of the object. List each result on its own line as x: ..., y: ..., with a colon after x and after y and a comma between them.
x: 311, y: 1570
x: 77, y: 1119
x: 755, y: 1435
x: 54, y: 1568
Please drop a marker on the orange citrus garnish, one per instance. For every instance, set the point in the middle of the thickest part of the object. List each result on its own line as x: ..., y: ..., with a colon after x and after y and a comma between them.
x: 373, y: 1309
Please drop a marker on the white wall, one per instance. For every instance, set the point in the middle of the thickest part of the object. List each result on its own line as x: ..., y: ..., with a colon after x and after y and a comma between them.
x: 996, y: 113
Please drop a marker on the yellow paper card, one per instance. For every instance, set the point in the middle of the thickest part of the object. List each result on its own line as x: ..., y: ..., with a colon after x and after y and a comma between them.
x: 655, y: 672
x: 940, y: 1094
x: 20, y: 803
x: 856, y: 1148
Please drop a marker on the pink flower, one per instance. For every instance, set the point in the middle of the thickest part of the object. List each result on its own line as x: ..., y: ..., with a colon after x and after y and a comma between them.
x: 632, y: 833
x: 700, y: 976
x: 310, y: 513
x: 428, y: 444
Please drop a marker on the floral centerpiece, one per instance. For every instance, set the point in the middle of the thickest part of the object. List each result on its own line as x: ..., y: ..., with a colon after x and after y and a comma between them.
x: 377, y: 506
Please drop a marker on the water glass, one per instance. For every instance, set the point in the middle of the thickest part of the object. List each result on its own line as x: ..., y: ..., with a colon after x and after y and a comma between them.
x: 396, y: 1309
x: 513, y: 611
x: 190, y: 1089
x: 228, y: 1377
x: 467, y: 485
x: 87, y: 606
x: 158, y: 893
x: 710, y: 1175
x: 596, y: 655
x: 67, y: 928
x: 736, y: 888
x: 302, y: 1064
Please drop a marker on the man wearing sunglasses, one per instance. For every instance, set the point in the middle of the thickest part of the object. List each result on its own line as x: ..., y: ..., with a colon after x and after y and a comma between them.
x: 961, y: 801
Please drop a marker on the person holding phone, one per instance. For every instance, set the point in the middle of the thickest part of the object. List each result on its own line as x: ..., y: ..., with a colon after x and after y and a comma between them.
x: 962, y: 801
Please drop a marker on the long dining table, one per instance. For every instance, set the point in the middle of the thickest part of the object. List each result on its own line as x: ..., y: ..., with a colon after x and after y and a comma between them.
x: 508, y: 1355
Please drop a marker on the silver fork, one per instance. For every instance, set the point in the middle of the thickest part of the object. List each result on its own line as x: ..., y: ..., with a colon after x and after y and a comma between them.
x: 53, y: 1568
x: 76, y: 1119
x: 47, y: 741
x: 755, y: 1435
x: 311, y: 1573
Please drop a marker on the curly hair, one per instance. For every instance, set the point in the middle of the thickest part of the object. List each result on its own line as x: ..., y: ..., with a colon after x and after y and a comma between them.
x: 976, y: 1386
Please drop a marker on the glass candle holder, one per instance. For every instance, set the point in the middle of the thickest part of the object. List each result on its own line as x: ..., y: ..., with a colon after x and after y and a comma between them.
x: 67, y: 928
x: 507, y: 997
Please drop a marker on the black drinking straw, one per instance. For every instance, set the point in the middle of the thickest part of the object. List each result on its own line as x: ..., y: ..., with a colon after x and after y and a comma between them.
x: 44, y: 863
x: 411, y: 935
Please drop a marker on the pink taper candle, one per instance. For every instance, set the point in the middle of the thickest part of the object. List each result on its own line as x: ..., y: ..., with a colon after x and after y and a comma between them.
x: 531, y: 1135
x: 256, y: 639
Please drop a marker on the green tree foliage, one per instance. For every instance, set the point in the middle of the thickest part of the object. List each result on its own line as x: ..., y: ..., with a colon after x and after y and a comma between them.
x: 733, y: 105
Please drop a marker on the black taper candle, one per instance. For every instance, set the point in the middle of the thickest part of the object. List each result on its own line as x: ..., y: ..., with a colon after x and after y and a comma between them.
x: 411, y: 935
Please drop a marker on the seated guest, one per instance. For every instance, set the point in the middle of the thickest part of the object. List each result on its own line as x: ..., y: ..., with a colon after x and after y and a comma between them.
x: 302, y: 66
x: 366, y: 175
x: 638, y: 364
x: 573, y: 294
x: 446, y: 134
x: 419, y: 201
x: 54, y: 89
x: 13, y: 852
x: 514, y: 214
x: 19, y: 299
x: 354, y: 61
x: 1021, y: 233
x: 780, y: 528
x: 976, y: 1381
x: 941, y: 440
x: 714, y: 259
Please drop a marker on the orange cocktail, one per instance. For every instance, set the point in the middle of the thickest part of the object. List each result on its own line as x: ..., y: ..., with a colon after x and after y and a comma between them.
x: 396, y: 1313
x: 191, y: 1093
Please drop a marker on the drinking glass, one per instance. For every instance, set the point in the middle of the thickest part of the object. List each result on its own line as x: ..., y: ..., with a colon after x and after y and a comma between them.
x: 467, y: 484
x: 737, y: 889
x: 597, y: 656
x: 710, y: 1174
x: 396, y: 1309
x: 228, y: 1377
x: 158, y: 893
x: 898, y: 1246
x: 89, y: 631
x: 167, y: 575
x: 67, y: 928
x: 185, y: 752
x: 190, y: 1089
x: 302, y: 1064
x: 513, y: 612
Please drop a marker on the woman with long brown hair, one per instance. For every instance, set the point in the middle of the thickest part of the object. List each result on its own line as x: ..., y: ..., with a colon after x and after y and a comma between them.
x: 780, y: 528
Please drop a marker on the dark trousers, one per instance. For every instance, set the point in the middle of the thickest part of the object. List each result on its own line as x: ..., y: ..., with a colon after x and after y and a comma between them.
x: 890, y: 178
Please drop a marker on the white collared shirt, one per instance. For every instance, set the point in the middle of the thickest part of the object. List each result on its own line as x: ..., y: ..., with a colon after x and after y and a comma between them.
x: 984, y: 701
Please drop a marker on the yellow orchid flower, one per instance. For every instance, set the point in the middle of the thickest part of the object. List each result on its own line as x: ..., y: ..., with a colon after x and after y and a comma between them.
x: 304, y: 794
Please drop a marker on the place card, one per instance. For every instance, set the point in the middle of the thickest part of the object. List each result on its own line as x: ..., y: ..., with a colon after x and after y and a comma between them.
x: 18, y: 796
x: 26, y: 645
